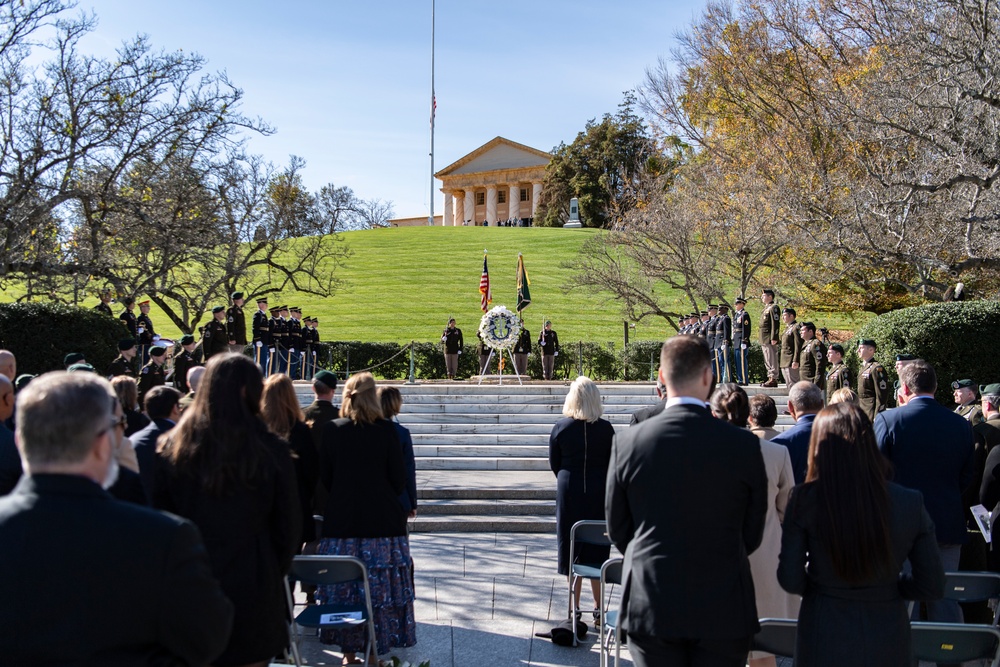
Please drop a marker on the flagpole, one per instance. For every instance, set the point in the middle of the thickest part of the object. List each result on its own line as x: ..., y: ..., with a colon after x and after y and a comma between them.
x: 430, y: 218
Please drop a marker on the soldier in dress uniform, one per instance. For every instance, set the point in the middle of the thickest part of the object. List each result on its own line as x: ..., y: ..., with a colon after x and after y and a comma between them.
x: 183, y: 362
x: 701, y: 327
x: 724, y: 343
x: 295, y: 342
x: 262, y: 336
x: 279, y: 339
x: 124, y: 363
x: 144, y: 327
x: 104, y: 306
x: 153, y: 373
x: 988, y: 431
x: 548, y: 342
x: 236, y: 324
x: 967, y: 403
x: 873, y: 381
x: 791, y: 347
x: 522, y: 350
x: 215, y: 337
x: 839, y: 375
x: 307, y: 348
x: 741, y: 341
x: 453, y: 344
x: 128, y: 317
x: 484, y: 354
x: 769, y: 335
x: 812, y: 357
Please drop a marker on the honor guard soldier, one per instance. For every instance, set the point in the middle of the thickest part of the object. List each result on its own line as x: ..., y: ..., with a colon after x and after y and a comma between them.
x: 723, y: 342
x: 183, y: 362
x: 548, y: 341
x: 153, y: 373
x: 484, y: 354
x: 769, y: 335
x: 279, y: 340
x: 839, y: 375
x: 521, y: 350
x: 966, y: 401
x: 128, y: 317
x: 791, y: 347
x: 124, y: 363
x: 812, y: 357
x: 741, y: 341
x: 262, y: 336
x: 295, y: 342
x: 144, y: 327
x: 987, y: 432
x: 307, y: 348
x: 215, y: 337
x: 453, y: 344
x: 873, y: 381
x: 104, y: 306
x: 236, y: 324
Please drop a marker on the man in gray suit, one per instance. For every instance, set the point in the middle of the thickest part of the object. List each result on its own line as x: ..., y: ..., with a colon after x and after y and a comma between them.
x: 686, y: 501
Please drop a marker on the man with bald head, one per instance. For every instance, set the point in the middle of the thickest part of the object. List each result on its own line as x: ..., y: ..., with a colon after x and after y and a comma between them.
x: 10, y: 460
x: 8, y: 364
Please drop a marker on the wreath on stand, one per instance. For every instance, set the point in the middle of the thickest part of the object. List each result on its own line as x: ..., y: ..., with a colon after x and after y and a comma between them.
x: 500, y: 328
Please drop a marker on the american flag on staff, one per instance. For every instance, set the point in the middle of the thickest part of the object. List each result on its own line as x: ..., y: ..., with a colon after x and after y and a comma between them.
x: 484, y: 287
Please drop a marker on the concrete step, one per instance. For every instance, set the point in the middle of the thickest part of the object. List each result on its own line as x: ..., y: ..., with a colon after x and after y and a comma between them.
x: 462, y: 490
x: 487, y: 507
x: 477, y: 428
x: 482, y: 524
x: 411, y: 419
x: 522, y: 451
x: 481, y: 463
x: 481, y: 439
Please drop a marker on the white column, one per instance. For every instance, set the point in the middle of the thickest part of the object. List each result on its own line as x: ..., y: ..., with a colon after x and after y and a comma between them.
x: 514, y: 202
x: 449, y: 211
x: 458, y: 214
x: 469, y: 213
x: 536, y: 194
x: 491, y: 204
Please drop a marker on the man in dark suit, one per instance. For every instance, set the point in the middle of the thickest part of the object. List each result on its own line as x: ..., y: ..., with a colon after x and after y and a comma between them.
x: 137, y: 586
x: 932, y: 450
x: 643, y: 414
x: 162, y: 406
x: 10, y: 459
x: 805, y: 399
x: 686, y: 500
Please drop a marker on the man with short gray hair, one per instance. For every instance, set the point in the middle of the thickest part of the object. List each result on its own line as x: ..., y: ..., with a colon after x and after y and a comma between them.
x: 805, y: 399
x: 136, y: 586
x: 10, y: 460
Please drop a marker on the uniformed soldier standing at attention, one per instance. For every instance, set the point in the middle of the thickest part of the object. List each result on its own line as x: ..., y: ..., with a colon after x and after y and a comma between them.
x: 548, y: 341
x: 708, y: 327
x: 769, y: 337
x: 308, y: 349
x: 295, y: 341
x: 839, y: 375
x: 873, y: 381
x: 741, y: 341
x: 812, y: 357
x: 236, y: 324
x: 966, y: 401
x: 724, y: 343
x: 128, y: 317
x: 701, y: 327
x: 453, y: 344
x: 152, y: 374
x: 279, y: 339
x: 104, y: 306
x: 144, y: 327
x: 183, y: 362
x: 522, y: 350
x: 791, y: 347
x: 215, y: 337
x: 124, y: 363
x: 262, y: 336
x: 484, y: 354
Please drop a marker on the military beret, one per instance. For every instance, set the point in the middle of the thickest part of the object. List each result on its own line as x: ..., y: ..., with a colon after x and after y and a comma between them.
x: 187, y: 339
x: 72, y: 358
x: 144, y: 303
x: 911, y: 357
x: 740, y: 299
x: 157, y: 351
x: 769, y: 292
x: 237, y: 295
x: 870, y: 342
x: 326, y: 378
x: 788, y: 309
x: 837, y: 347
x: 218, y: 309
x: 78, y: 368
x: 22, y: 381
x: 128, y: 301
x: 990, y: 389
x: 126, y: 344
x: 548, y: 322
x: 262, y: 299
x: 808, y: 325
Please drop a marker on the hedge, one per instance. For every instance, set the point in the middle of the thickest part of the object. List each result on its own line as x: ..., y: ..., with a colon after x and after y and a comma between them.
x: 957, y: 338
x: 41, y: 334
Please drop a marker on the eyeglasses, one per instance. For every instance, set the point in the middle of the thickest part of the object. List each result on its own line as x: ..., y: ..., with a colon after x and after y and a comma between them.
x: 115, y: 422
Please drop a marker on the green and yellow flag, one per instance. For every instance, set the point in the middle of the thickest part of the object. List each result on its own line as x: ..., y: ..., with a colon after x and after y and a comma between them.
x: 523, y: 294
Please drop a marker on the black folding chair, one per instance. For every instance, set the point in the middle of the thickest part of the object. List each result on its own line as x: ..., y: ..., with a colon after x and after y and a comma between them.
x: 955, y: 642
x: 777, y: 636
x: 585, y: 532
x: 974, y: 587
x: 324, y: 571
x: 610, y: 633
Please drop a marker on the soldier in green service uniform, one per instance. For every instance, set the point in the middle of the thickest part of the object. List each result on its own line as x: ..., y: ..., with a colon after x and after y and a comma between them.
x: 215, y: 336
x: 184, y: 362
x: 812, y: 357
x: 124, y: 363
x: 988, y: 431
x: 873, y: 382
x: 791, y: 347
x: 965, y: 401
x: 769, y: 337
x: 236, y: 324
x: 839, y: 375
x: 104, y: 306
x: 522, y: 350
x: 152, y: 374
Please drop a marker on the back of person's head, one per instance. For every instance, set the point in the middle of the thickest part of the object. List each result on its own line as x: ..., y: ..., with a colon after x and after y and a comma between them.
x: 127, y: 391
x: 763, y: 410
x: 805, y: 397
x: 850, y: 476
x: 391, y: 400
x: 8, y: 364
x: 324, y: 384
x: 59, y: 414
x: 919, y: 377
x: 161, y: 401
x: 683, y: 361
x: 280, y: 406
x: 583, y: 401
x: 730, y: 403
x: 194, y: 377
x: 844, y: 395
x: 360, y: 401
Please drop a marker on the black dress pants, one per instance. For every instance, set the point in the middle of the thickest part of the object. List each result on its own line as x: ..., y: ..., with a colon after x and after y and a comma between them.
x: 661, y: 652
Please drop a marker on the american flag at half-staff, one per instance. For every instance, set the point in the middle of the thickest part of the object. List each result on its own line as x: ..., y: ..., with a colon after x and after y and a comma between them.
x: 484, y: 286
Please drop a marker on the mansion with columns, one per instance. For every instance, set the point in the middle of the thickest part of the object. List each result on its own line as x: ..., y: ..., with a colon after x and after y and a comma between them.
x: 499, y: 180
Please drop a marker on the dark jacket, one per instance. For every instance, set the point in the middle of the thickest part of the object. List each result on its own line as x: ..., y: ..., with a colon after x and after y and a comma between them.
x: 643, y: 414
x: 796, y: 439
x: 686, y: 503
x: 10, y: 461
x: 408, y: 498
x: 144, y: 442
x: 305, y: 457
x: 135, y: 589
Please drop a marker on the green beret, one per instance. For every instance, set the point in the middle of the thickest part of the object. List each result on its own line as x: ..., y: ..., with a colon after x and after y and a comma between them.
x: 22, y: 381
x: 867, y: 341
x: 912, y: 357
x: 157, y: 351
x: 236, y: 295
x: 126, y: 344
x: 962, y: 384
x: 809, y: 325
x: 837, y: 347
x: 218, y: 309
x: 76, y: 368
x: 72, y: 358
x: 187, y: 339
x: 326, y: 378
x: 990, y: 389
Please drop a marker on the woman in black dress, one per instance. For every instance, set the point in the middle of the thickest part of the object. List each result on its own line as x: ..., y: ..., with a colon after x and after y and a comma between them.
x: 846, y: 534
x: 579, y: 452
x: 221, y: 468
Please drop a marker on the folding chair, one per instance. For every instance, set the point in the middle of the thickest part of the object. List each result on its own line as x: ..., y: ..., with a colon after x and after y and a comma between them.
x: 611, y: 573
x: 323, y: 571
x: 777, y: 636
x: 974, y: 587
x: 585, y: 532
x: 955, y: 642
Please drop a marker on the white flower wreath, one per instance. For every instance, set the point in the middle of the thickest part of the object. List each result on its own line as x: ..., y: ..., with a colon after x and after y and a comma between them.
x: 500, y: 328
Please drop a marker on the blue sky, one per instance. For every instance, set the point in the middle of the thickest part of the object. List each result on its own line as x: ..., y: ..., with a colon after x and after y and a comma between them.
x: 347, y: 84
